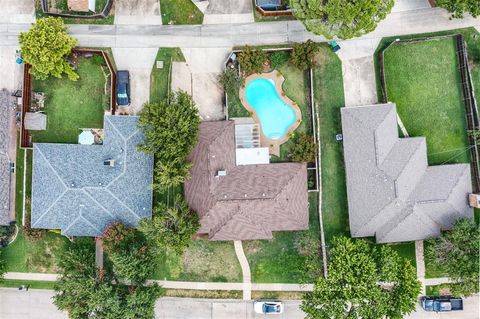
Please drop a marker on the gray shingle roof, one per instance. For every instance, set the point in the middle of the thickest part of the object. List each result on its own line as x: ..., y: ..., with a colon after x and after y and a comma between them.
x: 249, y: 202
x: 73, y: 190
x: 392, y: 192
x: 5, y: 175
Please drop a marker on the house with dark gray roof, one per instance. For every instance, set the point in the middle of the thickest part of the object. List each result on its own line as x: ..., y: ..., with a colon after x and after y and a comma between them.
x: 81, y: 189
x: 392, y: 192
x: 6, y: 209
x: 242, y: 202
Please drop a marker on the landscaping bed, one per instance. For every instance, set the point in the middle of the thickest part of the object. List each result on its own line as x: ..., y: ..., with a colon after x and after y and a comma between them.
x: 71, y: 105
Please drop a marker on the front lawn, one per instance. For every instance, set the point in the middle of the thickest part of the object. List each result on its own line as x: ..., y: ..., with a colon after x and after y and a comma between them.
x: 180, y: 12
x: 71, y: 105
x: 329, y: 98
x: 423, y: 79
x: 159, y: 78
x: 278, y: 260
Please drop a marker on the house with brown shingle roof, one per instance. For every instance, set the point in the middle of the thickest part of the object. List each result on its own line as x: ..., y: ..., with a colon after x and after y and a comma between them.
x: 243, y: 202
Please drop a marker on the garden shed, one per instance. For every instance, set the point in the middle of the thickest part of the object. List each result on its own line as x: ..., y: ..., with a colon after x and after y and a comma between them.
x: 36, y: 121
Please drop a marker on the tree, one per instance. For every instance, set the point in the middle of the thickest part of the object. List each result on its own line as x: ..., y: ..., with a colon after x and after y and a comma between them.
x: 171, y: 227
x: 252, y: 60
x: 46, y: 47
x: 459, y: 7
x: 342, y: 18
x: 278, y: 58
x: 171, y: 132
x: 303, y: 149
x: 354, y: 287
x: 231, y: 81
x: 3, y: 266
x: 458, y: 252
x: 303, y: 54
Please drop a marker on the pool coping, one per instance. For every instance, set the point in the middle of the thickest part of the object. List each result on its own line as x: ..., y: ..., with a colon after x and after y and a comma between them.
x: 278, y: 79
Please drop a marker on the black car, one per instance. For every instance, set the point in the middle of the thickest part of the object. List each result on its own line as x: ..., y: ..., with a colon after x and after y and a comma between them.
x: 123, y: 88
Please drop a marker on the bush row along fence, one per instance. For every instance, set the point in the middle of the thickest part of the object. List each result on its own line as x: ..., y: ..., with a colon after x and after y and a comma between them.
x: 471, y: 110
x: 105, y: 12
x: 25, y: 138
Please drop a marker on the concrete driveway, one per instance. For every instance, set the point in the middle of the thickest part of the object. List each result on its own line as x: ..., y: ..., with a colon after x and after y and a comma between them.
x: 139, y: 63
x: 409, y: 5
x: 17, y: 11
x: 137, y: 12
x: 228, y: 11
x: 11, y: 78
x: 31, y: 304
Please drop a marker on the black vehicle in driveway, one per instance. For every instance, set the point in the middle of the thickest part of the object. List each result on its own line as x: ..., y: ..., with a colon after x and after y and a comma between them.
x: 123, y: 88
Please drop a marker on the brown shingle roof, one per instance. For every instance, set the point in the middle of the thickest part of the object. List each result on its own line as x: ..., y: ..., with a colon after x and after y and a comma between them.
x: 249, y: 202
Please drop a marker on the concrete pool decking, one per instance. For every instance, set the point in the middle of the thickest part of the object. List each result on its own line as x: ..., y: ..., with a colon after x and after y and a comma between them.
x: 278, y: 79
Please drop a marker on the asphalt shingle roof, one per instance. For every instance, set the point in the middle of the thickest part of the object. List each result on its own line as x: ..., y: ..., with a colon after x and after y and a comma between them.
x: 5, y: 175
x: 392, y: 192
x: 73, y: 190
x: 249, y: 202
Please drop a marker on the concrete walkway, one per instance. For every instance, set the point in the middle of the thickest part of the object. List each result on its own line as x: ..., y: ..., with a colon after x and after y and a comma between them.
x: 247, y: 278
x: 420, y: 261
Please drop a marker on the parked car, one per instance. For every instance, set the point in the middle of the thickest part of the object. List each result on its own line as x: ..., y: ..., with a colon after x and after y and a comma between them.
x: 268, y: 307
x: 123, y: 88
x: 442, y: 304
x: 12, y: 167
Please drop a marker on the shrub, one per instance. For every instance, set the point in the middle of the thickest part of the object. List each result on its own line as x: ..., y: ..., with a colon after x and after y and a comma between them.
x: 303, y: 54
x: 304, y: 149
x: 31, y: 233
x: 278, y: 58
x: 231, y: 81
x: 251, y: 60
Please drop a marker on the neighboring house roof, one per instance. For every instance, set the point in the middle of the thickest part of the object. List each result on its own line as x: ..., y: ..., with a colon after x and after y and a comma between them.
x: 35, y: 121
x: 392, y: 192
x: 5, y: 175
x: 250, y: 201
x: 81, y: 189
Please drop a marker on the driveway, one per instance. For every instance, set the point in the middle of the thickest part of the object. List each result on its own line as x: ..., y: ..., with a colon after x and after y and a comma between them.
x: 409, y: 5
x: 31, y: 304
x: 137, y: 12
x: 139, y: 63
x: 17, y: 11
x: 228, y: 11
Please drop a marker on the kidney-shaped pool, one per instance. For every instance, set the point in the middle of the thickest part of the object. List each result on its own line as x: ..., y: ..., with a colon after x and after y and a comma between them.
x: 275, y: 115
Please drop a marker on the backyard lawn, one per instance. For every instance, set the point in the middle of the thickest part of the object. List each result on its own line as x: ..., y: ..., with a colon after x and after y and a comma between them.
x: 329, y: 98
x: 278, y: 260
x: 422, y: 78
x: 180, y: 12
x: 159, y: 78
x: 71, y: 105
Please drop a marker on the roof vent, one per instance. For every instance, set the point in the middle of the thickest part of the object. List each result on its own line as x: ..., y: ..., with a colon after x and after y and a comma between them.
x: 221, y: 173
x: 72, y: 184
x: 109, y: 162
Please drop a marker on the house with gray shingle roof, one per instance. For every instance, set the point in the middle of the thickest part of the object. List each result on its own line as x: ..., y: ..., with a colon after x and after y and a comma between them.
x: 242, y: 202
x: 392, y: 192
x: 81, y: 189
x: 6, y: 209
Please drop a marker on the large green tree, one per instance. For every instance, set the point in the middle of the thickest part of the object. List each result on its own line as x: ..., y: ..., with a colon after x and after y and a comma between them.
x: 458, y: 252
x: 46, y: 47
x: 172, y: 227
x: 363, y: 282
x: 459, y: 7
x: 86, y: 292
x: 342, y: 18
x: 171, y: 132
x: 3, y: 266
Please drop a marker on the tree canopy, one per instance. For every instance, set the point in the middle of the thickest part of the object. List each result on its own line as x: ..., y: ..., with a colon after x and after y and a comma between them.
x: 171, y: 132
x: 459, y: 7
x: 3, y: 266
x: 303, y: 54
x: 458, y: 252
x: 251, y: 60
x: 304, y: 149
x: 171, y: 228
x: 46, y: 47
x: 342, y: 18
x: 87, y: 292
x: 363, y: 282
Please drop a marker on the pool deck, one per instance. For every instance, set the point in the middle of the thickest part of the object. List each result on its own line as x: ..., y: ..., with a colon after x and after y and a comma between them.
x: 278, y: 79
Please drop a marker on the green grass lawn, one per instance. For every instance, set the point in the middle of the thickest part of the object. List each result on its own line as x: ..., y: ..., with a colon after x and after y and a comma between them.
x: 423, y: 80
x: 159, y: 78
x: 277, y: 260
x: 33, y: 284
x: 329, y: 98
x: 204, y: 260
x: 71, y: 105
x: 180, y: 12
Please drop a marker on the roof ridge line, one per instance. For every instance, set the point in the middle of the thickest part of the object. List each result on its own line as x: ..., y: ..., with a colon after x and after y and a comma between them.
x: 50, y: 207
x: 128, y: 208
x: 287, y: 183
x: 51, y: 167
x: 91, y: 197
x: 409, y: 159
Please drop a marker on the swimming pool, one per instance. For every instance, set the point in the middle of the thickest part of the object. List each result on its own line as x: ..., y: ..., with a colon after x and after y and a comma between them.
x: 275, y: 115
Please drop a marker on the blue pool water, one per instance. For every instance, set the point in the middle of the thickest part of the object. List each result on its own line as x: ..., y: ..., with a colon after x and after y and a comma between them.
x: 275, y: 115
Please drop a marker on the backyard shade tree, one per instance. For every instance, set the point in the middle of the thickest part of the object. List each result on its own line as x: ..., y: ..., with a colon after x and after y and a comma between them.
x: 303, y: 149
x: 231, y: 81
x: 459, y: 7
x: 171, y: 132
x: 342, y: 18
x: 458, y: 252
x: 352, y: 288
x: 303, y: 54
x: 171, y: 227
x: 252, y: 60
x: 46, y: 47
x: 278, y: 58
x: 86, y: 292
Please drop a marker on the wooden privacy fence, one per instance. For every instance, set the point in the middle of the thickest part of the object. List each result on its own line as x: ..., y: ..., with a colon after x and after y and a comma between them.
x: 470, y: 103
